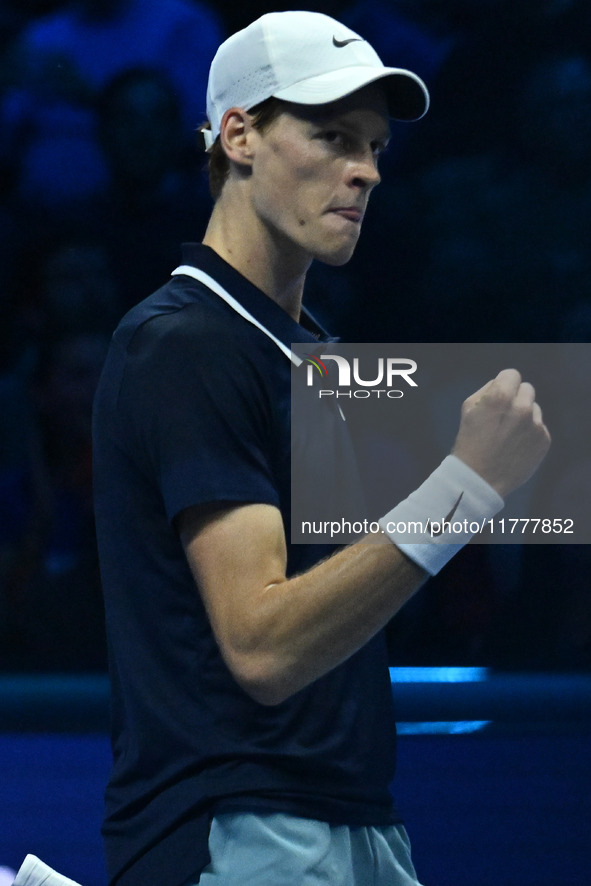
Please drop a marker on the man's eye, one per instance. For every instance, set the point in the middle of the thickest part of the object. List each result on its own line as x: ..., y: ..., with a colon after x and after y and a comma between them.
x: 332, y: 137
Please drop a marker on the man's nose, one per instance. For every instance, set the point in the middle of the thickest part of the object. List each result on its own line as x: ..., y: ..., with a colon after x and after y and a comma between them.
x: 364, y: 172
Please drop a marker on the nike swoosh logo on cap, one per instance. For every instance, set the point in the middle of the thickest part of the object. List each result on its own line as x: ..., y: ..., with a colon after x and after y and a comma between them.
x: 340, y: 43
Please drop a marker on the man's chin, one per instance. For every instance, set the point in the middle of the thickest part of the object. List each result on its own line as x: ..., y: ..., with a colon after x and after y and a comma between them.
x: 336, y: 257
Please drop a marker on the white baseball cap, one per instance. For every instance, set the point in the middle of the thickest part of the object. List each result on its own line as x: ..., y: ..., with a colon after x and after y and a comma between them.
x: 307, y: 58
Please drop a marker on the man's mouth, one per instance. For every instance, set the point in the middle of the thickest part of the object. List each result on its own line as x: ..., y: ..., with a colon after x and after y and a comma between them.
x: 351, y: 213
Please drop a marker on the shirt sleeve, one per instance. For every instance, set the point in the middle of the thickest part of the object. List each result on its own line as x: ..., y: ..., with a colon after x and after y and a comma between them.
x: 201, y: 410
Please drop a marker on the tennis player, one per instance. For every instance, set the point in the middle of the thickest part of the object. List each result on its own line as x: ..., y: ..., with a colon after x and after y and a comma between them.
x: 253, y: 731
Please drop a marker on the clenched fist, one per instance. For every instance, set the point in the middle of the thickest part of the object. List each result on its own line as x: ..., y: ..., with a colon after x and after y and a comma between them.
x: 502, y: 435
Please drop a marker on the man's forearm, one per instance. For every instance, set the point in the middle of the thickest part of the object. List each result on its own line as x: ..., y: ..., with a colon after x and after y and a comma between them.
x: 279, y: 634
x: 317, y: 620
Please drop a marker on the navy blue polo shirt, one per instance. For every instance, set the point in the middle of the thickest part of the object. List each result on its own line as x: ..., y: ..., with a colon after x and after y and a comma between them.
x: 193, y: 408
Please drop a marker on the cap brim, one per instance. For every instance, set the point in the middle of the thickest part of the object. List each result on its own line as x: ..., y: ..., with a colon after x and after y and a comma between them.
x: 408, y: 97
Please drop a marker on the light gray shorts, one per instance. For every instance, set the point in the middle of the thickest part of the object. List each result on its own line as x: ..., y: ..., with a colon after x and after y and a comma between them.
x: 277, y: 849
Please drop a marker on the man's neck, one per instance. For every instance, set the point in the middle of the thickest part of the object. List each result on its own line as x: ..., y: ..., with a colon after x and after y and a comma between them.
x: 275, y: 268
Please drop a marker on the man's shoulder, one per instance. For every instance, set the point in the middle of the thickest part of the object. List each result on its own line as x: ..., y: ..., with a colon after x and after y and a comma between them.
x: 186, y: 338
x: 183, y: 311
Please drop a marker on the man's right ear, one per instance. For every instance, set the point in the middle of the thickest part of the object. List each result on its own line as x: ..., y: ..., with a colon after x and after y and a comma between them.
x: 236, y: 132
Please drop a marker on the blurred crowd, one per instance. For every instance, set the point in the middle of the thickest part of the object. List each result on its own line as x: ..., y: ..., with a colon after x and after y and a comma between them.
x: 479, y: 231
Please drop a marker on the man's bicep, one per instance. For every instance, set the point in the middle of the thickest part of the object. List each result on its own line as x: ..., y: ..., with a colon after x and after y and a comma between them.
x: 235, y: 551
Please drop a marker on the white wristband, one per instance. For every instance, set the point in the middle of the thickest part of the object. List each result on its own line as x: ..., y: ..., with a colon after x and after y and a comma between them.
x: 442, y: 515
